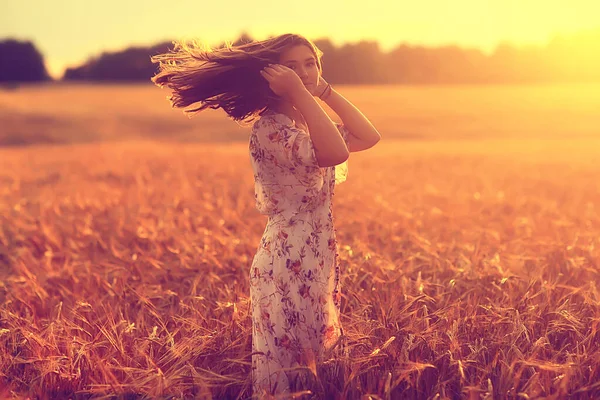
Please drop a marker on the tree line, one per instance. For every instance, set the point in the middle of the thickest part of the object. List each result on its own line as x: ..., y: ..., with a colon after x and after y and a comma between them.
x: 574, y: 58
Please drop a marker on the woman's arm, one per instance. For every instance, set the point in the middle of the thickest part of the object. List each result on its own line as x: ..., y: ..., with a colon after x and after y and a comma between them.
x: 329, y: 145
x: 363, y: 134
x: 330, y: 148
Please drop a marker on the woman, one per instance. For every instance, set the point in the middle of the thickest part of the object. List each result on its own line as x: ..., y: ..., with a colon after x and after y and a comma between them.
x: 298, y: 154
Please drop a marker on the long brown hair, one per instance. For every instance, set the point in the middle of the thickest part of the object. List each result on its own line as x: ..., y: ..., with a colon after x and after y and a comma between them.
x: 227, y: 77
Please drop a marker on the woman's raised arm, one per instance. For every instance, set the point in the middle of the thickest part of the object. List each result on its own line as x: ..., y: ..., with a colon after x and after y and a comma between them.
x: 330, y: 148
x: 363, y: 134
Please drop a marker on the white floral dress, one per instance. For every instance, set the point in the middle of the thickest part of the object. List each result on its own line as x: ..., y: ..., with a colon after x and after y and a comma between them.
x: 294, y: 277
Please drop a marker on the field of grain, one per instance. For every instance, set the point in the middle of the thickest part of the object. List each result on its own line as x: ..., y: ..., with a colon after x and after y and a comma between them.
x: 469, y: 247
x: 72, y: 113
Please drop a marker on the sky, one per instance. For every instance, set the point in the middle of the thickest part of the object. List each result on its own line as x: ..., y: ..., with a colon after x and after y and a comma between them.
x: 69, y: 32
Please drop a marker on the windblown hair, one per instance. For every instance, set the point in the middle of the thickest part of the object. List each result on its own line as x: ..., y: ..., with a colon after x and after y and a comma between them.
x: 227, y: 77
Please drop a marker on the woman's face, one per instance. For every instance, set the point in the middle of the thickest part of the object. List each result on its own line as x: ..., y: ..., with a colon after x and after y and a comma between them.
x: 301, y: 59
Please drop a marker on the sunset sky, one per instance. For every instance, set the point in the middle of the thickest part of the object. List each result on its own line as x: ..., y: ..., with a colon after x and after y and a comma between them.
x: 68, y: 32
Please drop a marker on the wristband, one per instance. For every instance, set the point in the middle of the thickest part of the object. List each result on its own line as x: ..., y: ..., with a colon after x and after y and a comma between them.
x: 326, y: 92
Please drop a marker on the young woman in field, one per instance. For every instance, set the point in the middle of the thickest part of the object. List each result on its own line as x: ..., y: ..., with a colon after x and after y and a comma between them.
x: 298, y: 154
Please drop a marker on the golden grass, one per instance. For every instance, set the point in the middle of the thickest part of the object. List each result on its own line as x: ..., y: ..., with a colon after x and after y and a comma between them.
x: 470, y: 270
x: 79, y: 113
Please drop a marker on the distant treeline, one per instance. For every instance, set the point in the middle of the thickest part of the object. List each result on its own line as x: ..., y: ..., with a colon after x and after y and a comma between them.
x: 574, y: 58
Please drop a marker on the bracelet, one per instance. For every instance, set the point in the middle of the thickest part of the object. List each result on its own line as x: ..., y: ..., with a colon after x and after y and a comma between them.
x: 326, y: 90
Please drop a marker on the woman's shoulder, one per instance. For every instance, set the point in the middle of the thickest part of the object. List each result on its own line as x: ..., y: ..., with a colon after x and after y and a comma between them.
x: 269, y: 119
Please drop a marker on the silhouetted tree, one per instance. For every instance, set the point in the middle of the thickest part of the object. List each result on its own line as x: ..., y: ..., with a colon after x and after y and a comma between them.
x: 132, y: 64
x: 360, y: 62
x: 20, y: 61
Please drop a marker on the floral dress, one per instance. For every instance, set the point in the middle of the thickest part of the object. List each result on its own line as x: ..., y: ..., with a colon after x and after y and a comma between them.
x: 294, y: 276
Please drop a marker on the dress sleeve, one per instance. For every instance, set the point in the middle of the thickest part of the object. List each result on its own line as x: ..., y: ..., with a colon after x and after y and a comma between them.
x: 343, y: 131
x: 341, y: 170
x: 291, y: 147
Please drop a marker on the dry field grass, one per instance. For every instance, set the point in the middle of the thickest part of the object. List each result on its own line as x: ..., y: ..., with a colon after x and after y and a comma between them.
x: 63, y: 114
x: 471, y: 268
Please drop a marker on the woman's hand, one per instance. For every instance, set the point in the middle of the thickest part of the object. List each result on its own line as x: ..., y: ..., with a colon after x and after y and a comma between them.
x: 283, y: 81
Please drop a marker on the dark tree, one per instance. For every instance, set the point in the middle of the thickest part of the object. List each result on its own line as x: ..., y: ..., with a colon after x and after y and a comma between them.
x: 21, y: 62
x: 132, y: 64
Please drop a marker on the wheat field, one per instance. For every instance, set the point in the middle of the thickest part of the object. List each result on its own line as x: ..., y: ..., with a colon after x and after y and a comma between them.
x: 469, y: 246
